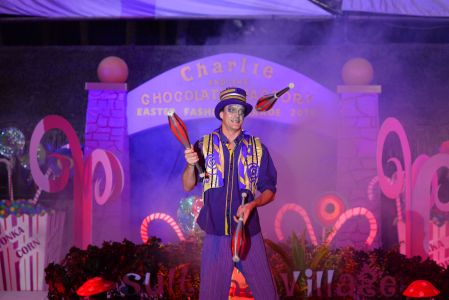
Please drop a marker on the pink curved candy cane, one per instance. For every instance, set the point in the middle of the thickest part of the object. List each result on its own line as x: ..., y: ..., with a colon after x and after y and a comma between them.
x: 400, y: 220
x: 370, y: 194
x: 39, y: 190
x: 351, y: 213
x: 83, y: 173
x: 163, y: 217
x: 370, y: 189
x: 403, y: 179
x: 298, y: 209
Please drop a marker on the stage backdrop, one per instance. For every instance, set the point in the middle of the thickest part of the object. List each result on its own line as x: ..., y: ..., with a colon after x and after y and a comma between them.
x: 414, y: 90
x: 300, y: 133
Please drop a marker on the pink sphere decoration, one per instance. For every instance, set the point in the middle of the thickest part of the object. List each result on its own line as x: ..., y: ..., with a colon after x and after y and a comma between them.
x: 112, y: 69
x: 357, y: 71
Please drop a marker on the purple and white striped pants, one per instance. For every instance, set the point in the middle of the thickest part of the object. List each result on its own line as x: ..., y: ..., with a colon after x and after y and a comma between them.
x: 217, y: 267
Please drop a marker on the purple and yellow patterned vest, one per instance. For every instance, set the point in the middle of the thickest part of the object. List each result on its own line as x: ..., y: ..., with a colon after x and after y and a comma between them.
x: 248, y: 162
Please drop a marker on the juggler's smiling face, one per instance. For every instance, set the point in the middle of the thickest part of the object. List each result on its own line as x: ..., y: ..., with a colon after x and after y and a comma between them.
x: 232, y: 116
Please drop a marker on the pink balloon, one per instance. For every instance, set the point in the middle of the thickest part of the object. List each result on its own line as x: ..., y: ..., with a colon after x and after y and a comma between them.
x: 112, y: 69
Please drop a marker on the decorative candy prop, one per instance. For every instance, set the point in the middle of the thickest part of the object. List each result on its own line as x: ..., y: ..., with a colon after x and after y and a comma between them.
x: 329, y: 208
x: 39, y: 190
x: 22, y: 207
x: 25, y: 229
x: 370, y: 189
x: 12, y: 142
x: 187, y: 213
x: 178, y: 128
x: 400, y: 222
x: 399, y: 214
x: 348, y: 214
x: 393, y: 188
x: 299, y: 210
x: 163, y: 217
x: 31, y: 238
x: 24, y: 159
x: 265, y: 103
x: 419, y: 181
x: 354, y: 212
x: 197, y: 205
x: 83, y: 175
x: 238, y: 241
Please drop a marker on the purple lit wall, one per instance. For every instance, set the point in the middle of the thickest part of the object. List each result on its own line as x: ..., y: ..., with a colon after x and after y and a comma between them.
x: 106, y: 128
x: 356, y: 157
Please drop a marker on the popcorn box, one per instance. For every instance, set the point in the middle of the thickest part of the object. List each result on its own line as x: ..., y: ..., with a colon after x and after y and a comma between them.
x: 28, y: 243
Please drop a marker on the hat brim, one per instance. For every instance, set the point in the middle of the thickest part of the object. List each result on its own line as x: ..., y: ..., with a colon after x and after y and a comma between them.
x: 223, y: 103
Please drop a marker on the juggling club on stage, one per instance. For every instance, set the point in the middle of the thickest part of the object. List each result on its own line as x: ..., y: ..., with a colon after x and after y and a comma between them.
x: 265, y: 103
x: 238, y: 238
x: 178, y: 128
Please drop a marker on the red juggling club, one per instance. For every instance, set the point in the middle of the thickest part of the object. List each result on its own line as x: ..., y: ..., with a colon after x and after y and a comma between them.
x: 265, y: 103
x: 238, y: 241
x: 178, y: 128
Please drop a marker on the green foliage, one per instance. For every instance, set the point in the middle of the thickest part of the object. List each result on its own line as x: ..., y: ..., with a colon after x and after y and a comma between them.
x: 319, y: 255
x: 298, y: 252
x: 279, y: 250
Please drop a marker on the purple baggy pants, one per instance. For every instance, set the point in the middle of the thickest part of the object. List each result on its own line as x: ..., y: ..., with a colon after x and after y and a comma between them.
x: 217, y: 267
